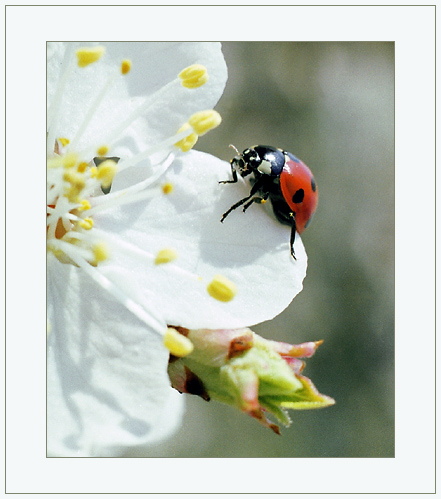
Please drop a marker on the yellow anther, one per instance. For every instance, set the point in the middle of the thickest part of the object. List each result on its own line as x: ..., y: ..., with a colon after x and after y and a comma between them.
x: 126, y: 65
x: 100, y: 252
x: 86, y: 224
x: 102, y: 151
x: 70, y: 160
x: 73, y: 194
x: 74, y: 179
x: 194, y: 76
x: 263, y: 201
x: 82, y: 167
x: 88, y: 55
x: 93, y: 171
x: 204, y: 121
x: 177, y: 344
x: 63, y: 141
x: 187, y: 142
x: 106, y: 172
x: 85, y: 205
x: 77, y: 184
x: 165, y: 255
x: 222, y: 288
x: 167, y: 188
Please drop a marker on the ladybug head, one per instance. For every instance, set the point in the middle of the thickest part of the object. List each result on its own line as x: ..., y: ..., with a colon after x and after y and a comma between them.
x: 246, y: 162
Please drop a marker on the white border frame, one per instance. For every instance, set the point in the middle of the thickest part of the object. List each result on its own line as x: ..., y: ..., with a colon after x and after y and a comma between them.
x: 412, y: 28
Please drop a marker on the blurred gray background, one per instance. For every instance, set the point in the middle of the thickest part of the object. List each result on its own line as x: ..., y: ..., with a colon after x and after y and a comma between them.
x: 332, y: 105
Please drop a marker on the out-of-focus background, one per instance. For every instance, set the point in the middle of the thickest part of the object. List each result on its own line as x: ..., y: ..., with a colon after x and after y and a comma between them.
x: 332, y: 105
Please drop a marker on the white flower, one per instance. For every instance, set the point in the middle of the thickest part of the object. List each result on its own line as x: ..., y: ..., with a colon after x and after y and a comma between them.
x: 123, y: 266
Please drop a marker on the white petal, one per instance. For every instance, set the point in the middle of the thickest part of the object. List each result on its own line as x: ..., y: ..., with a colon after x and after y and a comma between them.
x: 107, y: 385
x: 82, y: 88
x: 251, y: 249
x: 153, y: 66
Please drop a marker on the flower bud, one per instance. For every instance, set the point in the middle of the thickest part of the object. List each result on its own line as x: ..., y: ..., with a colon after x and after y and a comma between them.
x: 242, y: 369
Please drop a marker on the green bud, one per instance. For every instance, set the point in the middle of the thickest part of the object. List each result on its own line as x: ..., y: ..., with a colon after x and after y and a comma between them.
x: 242, y: 369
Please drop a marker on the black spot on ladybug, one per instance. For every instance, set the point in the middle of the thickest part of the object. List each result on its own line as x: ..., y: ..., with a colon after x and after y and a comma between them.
x: 313, y: 184
x: 298, y: 196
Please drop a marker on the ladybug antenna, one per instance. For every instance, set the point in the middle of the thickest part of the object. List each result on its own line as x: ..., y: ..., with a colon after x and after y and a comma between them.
x: 235, y: 148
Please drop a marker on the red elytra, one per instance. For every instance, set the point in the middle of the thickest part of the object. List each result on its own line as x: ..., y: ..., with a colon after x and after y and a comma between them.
x: 297, y: 184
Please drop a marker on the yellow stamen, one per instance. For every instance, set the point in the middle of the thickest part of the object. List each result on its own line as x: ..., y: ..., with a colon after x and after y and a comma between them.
x: 73, y: 194
x: 63, y: 141
x: 126, y: 65
x: 100, y: 252
x: 74, y: 179
x: 82, y: 167
x: 70, y: 160
x: 77, y: 184
x: 204, y: 121
x: 166, y: 255
x: 87, y: 223
x: 85, y: 205
x: 177, y: 344
x: 106, y: 171
x: 102, y: 151
x: 188, y: 142
x: 222, y: 288
x: 88, y: 55
x: 167, y: 188
x: 194, y: 76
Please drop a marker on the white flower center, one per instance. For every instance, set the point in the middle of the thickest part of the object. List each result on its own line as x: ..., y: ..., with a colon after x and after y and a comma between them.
x: 71, y: 183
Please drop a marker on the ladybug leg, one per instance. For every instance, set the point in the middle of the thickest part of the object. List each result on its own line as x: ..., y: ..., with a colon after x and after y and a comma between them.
x: 236, y: 205
x: 234, y: 173
x: 253, y: 191
x: 293, y: 235
x: 256, y: 199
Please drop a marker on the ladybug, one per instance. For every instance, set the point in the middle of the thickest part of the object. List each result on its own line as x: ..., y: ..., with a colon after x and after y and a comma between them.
x: 281, y: 177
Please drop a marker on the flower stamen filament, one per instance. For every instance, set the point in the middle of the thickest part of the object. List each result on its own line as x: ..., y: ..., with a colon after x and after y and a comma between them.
x: 94, y: 107
x: 147, y: 317
x: 187, y: 75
